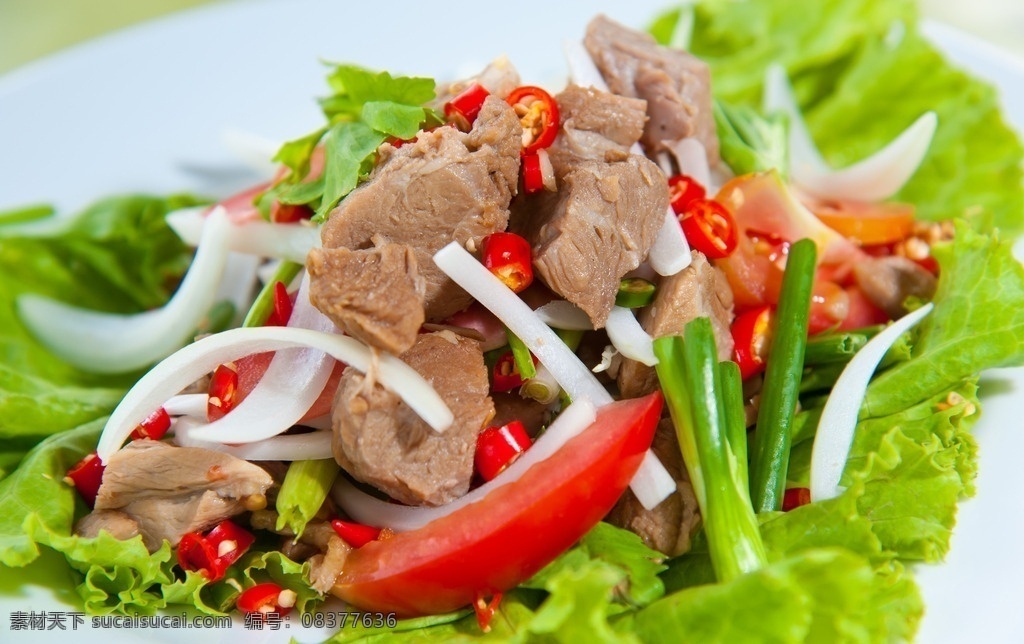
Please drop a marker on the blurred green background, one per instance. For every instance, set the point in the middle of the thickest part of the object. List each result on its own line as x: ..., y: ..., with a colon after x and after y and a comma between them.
x: 30, y: 29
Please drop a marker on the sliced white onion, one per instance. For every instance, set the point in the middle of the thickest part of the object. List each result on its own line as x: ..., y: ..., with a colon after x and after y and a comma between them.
x: 190, y: 363
x: 187, y: 405
x: 692, y: 159
x: 112, y: 343
x: 561, y: 314
x: 582, y: 70
x: 571, y: 374
x: 568, y: 370
x: 838, y: 422
x: 874, y: 178
x: 238, y: 283
x: 652, y: 481
x: 629, y: 337
x: 670, y: 252
x: 547, y: 171
x: 253, y: 237
x: 253, y: 150
x: 370, y: 510
x: 293, y: 447
x: 287, y: 390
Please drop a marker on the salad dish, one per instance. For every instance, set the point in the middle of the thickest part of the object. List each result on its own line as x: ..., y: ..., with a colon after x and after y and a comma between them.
x: 686, y: 339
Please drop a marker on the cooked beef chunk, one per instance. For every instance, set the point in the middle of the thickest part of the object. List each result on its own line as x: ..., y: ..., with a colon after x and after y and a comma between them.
x: 595, y: 125
x: 379, y: 440
x: 447, y: 185
x: 670, y: 525
x: 375, y: 295
x: 170, y: 491
x: 598, y: 226
x: 324, y: 569
x: 511, y: 406
x: 698, y: 290
x: 889, y: 281
x: 675, y: 84
x: 117, y: 523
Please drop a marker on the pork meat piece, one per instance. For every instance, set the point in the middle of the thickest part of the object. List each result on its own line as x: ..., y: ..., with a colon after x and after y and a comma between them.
x: 379, y: 440
x: 375, y: 295
x: 675, y: 84
x: 170, y: 491
x: 595, y: 125
x: 699, y: 290
x: 670, y: 525
x: 598, y: 226
x: 445, y: 186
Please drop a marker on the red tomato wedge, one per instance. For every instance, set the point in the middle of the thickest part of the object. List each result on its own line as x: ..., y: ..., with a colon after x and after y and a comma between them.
x: 866, y: 223
x: 495, y: 544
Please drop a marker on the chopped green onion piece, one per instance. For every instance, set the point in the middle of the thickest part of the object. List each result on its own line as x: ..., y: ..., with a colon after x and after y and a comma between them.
x: 730, y: 402
x: 521, y: 354
x: 833, y: 348
x: 782, y: 380
x: 634, y: 292
x: 303, y: 492
x: 263, y: 306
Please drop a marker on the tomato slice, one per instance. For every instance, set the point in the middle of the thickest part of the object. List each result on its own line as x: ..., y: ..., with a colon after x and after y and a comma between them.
x: 492, y: 546
x: 866, y: 223
x: 250, y: 370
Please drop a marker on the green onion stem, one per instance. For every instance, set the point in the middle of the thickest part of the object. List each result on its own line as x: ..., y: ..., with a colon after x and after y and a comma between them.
x: 821, y: 378
x: 833, y: 348
x: 521, y: 354
x: 730, y: 392
x: 263, y: 306
x: 689, y: 372
x: 304, y: 490
x: 782, y: 380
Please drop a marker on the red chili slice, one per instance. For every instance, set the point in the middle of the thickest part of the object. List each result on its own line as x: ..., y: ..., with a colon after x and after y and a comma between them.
x: 538, y: 114
x: 499, y: 447
x: 709, y: 228
x: 485, y: 610
x: 356, y: 535
x: 682, y: 190
x: 795, y: 497
x: 505, y: 376
x: 262, y: 599
x: 86, y: 476
x: 284, y: 213
x: 211, y: 554
x: 282, y: 306
x: 533, y: 174
x: 223, y: 391
x: 154, y: 427
x: 751, y: 334
x: 508, y: 256
x: 464, y: 108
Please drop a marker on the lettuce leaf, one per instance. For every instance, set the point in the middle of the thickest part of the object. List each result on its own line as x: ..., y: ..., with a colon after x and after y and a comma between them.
x: 117, y: 255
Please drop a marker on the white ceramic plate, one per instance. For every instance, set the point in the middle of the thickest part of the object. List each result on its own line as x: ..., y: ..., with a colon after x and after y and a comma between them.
x: 145, y: 109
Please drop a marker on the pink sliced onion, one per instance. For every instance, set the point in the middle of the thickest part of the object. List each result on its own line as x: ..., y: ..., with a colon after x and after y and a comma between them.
x: 287, y: 390
x: 629, y: 337
x: 874, y: 178
x: 838, y: 422
x: 372, y: 511
x: 570, y: 373
x: 293, y: 447
x: 692, y: 159
x: 188, y: 364
x: 263, y: 238
x: 114, y: 343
